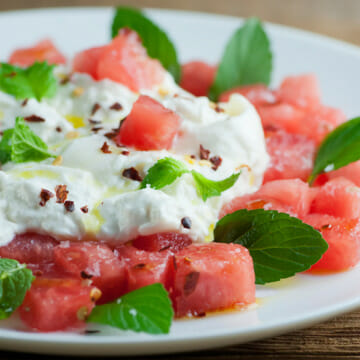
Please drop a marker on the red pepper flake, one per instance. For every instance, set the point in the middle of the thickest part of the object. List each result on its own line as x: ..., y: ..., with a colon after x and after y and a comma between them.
x: 96, y: 129
x: 191, y: 281
x: 125, y: 152
x: 326, y: 226
x: 218, y: 109
x: 85, y: 209
x: 24, y: 103
x: 204, y: 153
x: 69, y: 205
x: 192, y: 156
x: 95, y: 108
x: 132, y: 173
x: 105, y: 148
x: 38, y: 273
x: 58, y: 129
x: 34, y: 118
x: 61, y: 193
x: 116, y: 106
x: 186, y: 222
x: 216, y: 161
x: 139, y: 266
x: 85, y: 275
x: 110, y: 135
x: 45, y: 196
x: 94, y: 122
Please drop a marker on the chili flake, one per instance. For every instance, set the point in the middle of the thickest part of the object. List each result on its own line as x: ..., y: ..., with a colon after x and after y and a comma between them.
x: 95, y: 122
x: 132, y: 174
x: 45, y: 196
x: 58, y: 129
x: 116, y: 106
x: 61, y: 193
x: 34, y: 118
x: 186, y: 222
x: 216, y: 161
x: 204, y: 153
x: 85, y: 209
x: 85, y: 275
x: 95, y: 108
x: 69, y: 205
x: 105, y: 148
x: 24, y: 103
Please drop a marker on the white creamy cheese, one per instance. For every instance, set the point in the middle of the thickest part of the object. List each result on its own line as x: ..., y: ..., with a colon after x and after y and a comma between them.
x: 117, y: 210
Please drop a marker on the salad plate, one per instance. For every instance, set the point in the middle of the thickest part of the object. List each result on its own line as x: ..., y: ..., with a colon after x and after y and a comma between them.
x: 281, y: 307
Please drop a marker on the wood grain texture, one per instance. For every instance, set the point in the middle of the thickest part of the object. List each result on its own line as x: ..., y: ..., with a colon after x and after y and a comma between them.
x: 339, y: 338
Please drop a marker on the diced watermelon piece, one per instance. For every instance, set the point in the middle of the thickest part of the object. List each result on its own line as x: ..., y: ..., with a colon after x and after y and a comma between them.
x: 44, y: 50
x: 302, y: 91
x: 197, y: 77
x: 350, y: 172
x: 257, y: 94
x: 162, y: 241
x: 291, y: 156
x: 125, y: 61
x: 342, y: 236
x: 338, y: 197
x: 212, y: 277
x: 146, y: 268
x: 35, y: 250
x: 96, y: 262
x: 86, y: 61
x: 57, y: 304
x: 291, y: 196
x: 149, y: 126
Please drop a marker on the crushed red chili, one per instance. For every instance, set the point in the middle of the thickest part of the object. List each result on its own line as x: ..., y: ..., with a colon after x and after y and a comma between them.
x: 61, y: 193
x: 69, y: 205
x: 34, y: 118
x: 96, y: 129
x: 94, y: 122
x: 24, y: 103
x: 45, y: 196
x: 139, y: 266
x: 132, y: 174
x: 116, y: 106
x: 84, y: 209
x: 204, y: 153
x: 186, y: 222
x: 216, y: 161
x: 95, y: 108
x: 58, y: 129
x: 125, y: 152
x: 105, y: 148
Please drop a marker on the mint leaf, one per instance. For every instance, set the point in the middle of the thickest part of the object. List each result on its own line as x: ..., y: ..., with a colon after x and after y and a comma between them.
x: 154, y: 39
x: 341, y: 147
x: 42, y: 80
x: 36, y: 81
x: 247, y: 59
x: 20, y: 144
x: 163, y: 173
x: 208, y: 188
x: 5, y: 146
x: 15, y: 280
x: 279, y: 244
x: 147, y: 309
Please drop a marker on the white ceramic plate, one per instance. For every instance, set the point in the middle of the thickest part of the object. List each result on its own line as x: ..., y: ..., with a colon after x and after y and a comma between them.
x: 286, y: 306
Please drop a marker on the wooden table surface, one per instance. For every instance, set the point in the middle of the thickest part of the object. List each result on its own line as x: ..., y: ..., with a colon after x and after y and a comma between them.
x: 336, y: 339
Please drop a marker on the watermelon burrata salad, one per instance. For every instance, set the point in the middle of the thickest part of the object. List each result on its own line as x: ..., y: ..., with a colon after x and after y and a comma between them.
x: 134, y: 190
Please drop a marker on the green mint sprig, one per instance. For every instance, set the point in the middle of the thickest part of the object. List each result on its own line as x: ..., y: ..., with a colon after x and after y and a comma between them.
x: 15, y: 281
x: 37, y: 81
x: 147, y: 309
x: 280, y: 245
x: 20, y: 145
x: 165, y: 171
